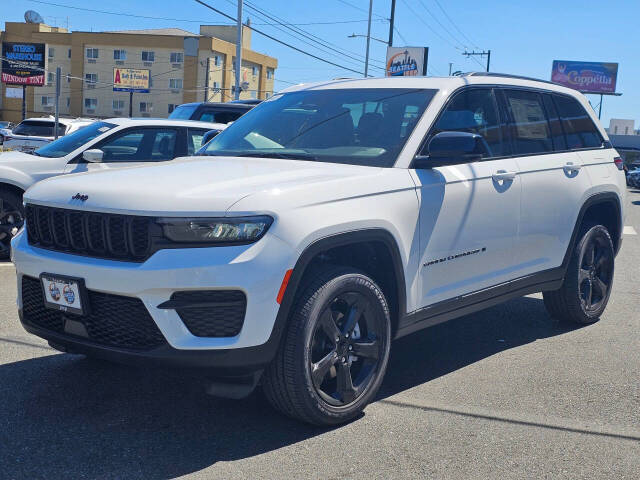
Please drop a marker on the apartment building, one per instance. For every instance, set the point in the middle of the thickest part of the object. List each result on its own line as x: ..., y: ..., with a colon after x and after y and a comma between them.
x: 184, y: 67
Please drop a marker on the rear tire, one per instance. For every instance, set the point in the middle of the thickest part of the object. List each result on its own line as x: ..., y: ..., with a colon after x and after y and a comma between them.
x: 585, y: 292
x: 335, y: 350
x: 11, y: 220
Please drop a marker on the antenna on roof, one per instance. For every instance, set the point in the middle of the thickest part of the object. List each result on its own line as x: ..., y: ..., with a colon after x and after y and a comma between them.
x: 31, y: 16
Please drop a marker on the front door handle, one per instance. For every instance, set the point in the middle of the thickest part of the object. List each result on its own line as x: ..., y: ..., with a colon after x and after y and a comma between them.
x: 570, y: 167
x: 501, y: 175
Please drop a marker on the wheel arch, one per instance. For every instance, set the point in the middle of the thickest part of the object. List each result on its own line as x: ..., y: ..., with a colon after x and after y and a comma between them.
x: 604, y: 208
x: 12, y: 187
x: 376, y: 241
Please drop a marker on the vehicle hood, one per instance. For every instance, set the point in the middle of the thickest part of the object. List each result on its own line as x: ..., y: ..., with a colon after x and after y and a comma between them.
x: 190, y: 185
x: 17, y: 165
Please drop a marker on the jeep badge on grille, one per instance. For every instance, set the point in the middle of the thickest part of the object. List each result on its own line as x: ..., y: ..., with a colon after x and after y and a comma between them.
x: 82, y: 198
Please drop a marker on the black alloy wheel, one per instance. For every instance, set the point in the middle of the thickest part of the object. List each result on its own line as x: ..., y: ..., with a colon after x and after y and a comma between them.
x: 11, y: 221
x: 596, y: 273
x: 345, y: 348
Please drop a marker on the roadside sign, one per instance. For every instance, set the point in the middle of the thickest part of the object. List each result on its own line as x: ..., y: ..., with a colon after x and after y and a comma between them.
x: 131, y: 80
x: 23, y: 63
x: 586, y: 77
x: 406, y: 61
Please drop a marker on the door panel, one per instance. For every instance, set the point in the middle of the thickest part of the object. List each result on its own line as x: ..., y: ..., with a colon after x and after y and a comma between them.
x: 468, y: 227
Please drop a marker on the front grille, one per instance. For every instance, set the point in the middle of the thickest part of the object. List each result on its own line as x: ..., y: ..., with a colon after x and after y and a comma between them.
x: 210, y: 313
x: 115, y: 237
x: 114, y: 320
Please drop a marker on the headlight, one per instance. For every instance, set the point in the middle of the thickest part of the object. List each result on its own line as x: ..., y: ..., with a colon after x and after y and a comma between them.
x: 216, y: 230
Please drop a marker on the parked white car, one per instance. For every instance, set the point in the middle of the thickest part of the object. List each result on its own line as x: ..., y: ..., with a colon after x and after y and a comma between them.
x: 111, y: 143
x: 34, y: 133
x: 328, y: 221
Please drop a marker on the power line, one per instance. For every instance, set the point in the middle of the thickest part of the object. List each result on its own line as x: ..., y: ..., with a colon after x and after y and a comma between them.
x: 429, y: 26
x: 123, y: 14
x: 473, y: 44
x: 300, y: 31
x: 355, y: 60
x: 280, y: 41
x: 455, y: 39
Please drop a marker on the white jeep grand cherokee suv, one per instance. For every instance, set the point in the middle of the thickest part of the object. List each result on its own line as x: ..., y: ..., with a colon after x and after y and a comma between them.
x: 326, y: 222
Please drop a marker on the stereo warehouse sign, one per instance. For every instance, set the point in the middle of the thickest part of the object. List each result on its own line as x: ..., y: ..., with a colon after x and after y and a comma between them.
x: 23, y: 63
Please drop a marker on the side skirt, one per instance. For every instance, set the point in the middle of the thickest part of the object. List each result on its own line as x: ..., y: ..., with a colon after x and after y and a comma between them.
x: 479, y: 300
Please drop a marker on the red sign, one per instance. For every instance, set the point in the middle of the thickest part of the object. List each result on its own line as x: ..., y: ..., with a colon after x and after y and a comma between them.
x: 37, y: 80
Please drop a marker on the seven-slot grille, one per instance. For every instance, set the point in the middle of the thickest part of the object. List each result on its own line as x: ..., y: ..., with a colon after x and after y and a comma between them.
x: 116, y: 237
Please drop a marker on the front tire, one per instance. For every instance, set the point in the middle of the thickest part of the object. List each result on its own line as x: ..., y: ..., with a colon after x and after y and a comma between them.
x: 587, y: 285
x: 335, y: 351
x: 11, y: 220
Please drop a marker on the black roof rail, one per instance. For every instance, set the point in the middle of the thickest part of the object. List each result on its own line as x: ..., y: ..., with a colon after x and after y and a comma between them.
x: 506, y: 75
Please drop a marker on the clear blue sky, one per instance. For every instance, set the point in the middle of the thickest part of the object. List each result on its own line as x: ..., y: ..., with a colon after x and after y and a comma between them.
x: 524, y: 36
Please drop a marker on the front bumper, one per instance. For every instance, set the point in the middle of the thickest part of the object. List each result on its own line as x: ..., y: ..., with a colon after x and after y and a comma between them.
x: 255, y: 269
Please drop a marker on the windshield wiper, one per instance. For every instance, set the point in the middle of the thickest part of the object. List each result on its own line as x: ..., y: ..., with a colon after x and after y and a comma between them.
x: 289, y: 156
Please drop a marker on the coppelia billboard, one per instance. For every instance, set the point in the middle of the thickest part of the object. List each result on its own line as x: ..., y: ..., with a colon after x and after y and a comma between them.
x: 587, y: 77
x: 406, y: 61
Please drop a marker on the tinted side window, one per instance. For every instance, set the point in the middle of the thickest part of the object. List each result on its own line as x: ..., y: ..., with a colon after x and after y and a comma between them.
x: 140, y: 145
x: 557, y: 134
x: 530, y: 132
x: 578, y: 126
x: 473, y: 111
x: 194, y: 139
x: 219, y: 117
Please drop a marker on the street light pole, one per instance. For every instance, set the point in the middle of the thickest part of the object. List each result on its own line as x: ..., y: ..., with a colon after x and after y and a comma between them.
x: 391, y: 20
x: 366, y: 60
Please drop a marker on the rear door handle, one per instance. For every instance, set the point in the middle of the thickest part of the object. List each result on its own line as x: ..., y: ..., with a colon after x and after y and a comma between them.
x: 503, y: 175
x: 572, y: 167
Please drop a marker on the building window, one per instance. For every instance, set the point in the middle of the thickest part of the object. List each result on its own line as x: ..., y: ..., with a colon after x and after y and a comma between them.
x: 217, y: 61
x: 216, y: 85
x: 254, y: 71
x: 146, y: 107
x: 176, y: 57
x: 91, y: 78
x: 51, y: 77
x: 175, y: 83
x: 269, y: 74
x: 119, y: 54
x: 90, y: 103
x: 172, y: 107
x: 118, y: 104
x: 148, y: 56
x: 52, y: 52
x: 92, y: 53
x: 48, y: 101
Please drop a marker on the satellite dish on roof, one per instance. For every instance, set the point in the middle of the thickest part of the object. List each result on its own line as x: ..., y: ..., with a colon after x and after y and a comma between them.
x: 31, y: 16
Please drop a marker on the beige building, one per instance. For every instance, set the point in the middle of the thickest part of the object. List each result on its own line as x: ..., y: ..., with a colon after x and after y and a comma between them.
x: 184, y: 67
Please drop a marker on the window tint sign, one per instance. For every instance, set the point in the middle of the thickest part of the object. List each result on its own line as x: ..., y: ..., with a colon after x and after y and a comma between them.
x: 406, y: 61
x: 23, y: 63
x: 586, y: 77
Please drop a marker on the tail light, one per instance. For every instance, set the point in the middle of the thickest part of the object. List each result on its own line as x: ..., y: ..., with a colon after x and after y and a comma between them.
x: 619, y: 163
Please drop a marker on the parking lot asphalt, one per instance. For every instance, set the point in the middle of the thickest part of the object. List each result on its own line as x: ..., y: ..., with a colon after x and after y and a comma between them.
x: 504, y: 393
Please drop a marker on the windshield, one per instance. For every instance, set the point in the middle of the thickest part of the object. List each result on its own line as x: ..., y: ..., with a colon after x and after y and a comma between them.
x: 67, y: 144
x: 183, y: 112
x: 38, y: 128
x: 356, y: 126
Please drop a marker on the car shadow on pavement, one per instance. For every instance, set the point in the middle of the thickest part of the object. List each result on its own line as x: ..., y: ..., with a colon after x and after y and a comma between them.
x: 68, y: 416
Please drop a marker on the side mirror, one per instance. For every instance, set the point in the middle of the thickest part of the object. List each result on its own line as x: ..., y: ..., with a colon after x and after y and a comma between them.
x: 450, y: 148
x: 93, y: 155
x: 207, y: 137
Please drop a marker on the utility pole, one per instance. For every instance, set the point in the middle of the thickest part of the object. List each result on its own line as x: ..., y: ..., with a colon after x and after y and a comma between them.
x: 206, y: 80
x: 391, y: 20
x: 482, y: 53
x: 130, y: 103
x: 366, y: 59
x: 55, y: 127
x: 24, y: 102
x: 238, y: 50
x: 450, y: 67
